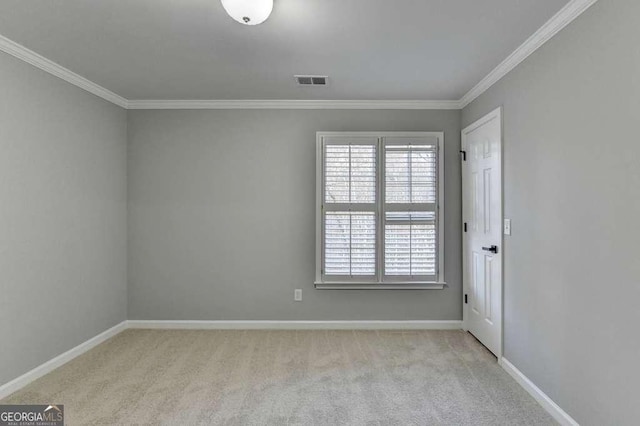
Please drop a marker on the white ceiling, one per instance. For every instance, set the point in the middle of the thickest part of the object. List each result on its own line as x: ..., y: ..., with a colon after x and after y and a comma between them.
x: 191, y: 49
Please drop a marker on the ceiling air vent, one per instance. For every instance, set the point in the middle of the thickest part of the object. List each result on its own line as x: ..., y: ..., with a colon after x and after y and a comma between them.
x: 311, y: 80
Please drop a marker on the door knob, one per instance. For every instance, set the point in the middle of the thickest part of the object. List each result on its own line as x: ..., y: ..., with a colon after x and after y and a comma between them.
x: 492, y: 249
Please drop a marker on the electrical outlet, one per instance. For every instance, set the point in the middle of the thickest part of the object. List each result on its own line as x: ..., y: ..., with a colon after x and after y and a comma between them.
x: 297, y: 295
x: 507, y: 227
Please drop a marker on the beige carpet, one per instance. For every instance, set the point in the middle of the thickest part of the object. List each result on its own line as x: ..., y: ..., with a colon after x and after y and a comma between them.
x: 184, y: 377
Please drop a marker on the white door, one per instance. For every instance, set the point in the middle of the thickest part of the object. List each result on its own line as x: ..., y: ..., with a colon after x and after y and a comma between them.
x: 482, y: 241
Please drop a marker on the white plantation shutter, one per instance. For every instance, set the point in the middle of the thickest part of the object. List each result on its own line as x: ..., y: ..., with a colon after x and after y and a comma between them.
x: 378, y: 222
x: 410, y: 209
x: 350, y: 173
x: 410, y: 172
x: 350, y: 243
x: 349, y: 209
x: 410, y: 244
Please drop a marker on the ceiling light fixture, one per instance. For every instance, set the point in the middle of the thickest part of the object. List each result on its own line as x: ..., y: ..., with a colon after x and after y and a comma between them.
x: 248, y: 12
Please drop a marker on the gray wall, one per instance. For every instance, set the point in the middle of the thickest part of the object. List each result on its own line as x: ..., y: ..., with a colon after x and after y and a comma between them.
x: 222, y: 217
x: 572, y: 188
x: 62, y: 216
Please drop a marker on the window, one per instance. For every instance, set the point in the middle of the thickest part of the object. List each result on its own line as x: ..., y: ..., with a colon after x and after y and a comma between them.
x: 379, y: 220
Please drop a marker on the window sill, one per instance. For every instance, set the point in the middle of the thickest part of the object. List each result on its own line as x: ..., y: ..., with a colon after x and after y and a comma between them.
x: 409, y: 285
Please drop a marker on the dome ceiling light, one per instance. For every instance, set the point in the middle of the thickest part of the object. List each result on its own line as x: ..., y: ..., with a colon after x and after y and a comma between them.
x: 248, y: 12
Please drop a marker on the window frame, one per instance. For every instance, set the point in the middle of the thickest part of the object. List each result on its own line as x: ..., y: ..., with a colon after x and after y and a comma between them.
x: 378, y: 282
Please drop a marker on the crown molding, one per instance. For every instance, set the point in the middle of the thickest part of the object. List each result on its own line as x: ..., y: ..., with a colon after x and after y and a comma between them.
x: 291, y: 104
x: 564, y: 17
x: 39, y: 61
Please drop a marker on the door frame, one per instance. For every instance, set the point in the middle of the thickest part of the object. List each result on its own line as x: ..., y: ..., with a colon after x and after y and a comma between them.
x: 495, y: 114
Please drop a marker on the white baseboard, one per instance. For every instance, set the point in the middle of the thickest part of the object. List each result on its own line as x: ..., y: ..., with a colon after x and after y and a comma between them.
x: 547, y: 403
x: 297, y: 325
x: 19, y: 382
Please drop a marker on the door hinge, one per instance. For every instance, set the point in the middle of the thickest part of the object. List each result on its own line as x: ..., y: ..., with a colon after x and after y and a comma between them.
x: 464, y: 155
x: 465, y: 299
x: 465, y: 227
